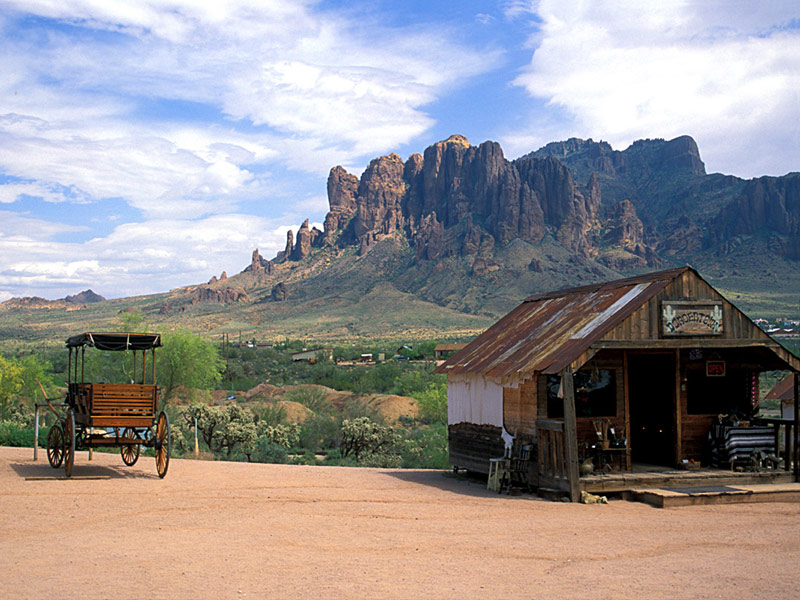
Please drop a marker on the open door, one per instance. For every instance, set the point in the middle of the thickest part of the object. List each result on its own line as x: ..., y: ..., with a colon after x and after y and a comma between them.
x: 651, y: 393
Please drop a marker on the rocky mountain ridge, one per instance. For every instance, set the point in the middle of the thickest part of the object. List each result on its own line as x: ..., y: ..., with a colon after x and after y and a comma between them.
x: 452, y: 238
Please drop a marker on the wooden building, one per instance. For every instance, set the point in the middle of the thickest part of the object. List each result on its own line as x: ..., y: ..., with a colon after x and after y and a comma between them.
x: 445, y: 351
x: 636, y: 371
x: 784, y: 393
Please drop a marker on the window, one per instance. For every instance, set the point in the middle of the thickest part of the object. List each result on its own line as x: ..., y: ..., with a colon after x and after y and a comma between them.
x: 595, y: 394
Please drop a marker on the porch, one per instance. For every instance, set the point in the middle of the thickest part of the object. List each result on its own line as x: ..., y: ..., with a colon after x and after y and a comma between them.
x: 650, y: 476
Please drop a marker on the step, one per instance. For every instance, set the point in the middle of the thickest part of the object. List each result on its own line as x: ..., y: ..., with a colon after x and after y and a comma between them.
x: 718, y: 494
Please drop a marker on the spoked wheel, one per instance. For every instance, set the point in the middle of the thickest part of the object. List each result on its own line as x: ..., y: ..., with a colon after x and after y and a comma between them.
x: 162, y: 444
x: 55, y: 445
x: 129, y: 452
x: 69, y: 442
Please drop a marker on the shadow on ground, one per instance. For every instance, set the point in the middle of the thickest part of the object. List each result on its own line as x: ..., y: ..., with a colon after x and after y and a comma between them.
x: 457, y: 483
x: 42, y: 471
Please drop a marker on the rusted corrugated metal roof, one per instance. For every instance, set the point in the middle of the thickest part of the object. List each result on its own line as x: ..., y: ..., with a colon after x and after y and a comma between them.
x: 783, y: 390
x: 549, y: 331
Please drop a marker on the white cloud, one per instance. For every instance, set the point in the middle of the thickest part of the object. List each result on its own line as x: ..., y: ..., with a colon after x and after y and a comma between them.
x: 11, y: 192
x: 135, y: 259
x: 305, y: 89
x: 627, y: 70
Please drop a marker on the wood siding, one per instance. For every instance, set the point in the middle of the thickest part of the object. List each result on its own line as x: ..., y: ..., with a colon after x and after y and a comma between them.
x: 520, y: 408
x: 645, y: 322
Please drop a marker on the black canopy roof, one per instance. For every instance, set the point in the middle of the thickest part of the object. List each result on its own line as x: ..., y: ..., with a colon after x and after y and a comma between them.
x: 116, y: 341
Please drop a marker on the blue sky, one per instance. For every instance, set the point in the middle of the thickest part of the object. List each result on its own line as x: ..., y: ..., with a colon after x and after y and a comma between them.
x: 149, y: 144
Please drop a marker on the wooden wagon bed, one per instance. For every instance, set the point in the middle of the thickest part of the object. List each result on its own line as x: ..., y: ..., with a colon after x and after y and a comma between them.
x: 114, y: 404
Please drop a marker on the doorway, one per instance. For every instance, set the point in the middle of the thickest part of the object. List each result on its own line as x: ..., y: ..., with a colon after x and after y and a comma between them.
x: 651, y: 397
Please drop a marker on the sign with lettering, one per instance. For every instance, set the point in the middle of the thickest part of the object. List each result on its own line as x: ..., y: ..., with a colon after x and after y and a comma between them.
x: 715, y: 368
x: 691, y: 317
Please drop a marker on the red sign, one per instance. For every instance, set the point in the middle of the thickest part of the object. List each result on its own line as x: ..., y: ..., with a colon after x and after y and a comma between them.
x: 715, y: 368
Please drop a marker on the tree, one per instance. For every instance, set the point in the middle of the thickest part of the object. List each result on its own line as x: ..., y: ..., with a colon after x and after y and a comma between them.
x: 187, y: 360
x: 361, y: 437
x: 223, y: 428
x: 10, y: 384
x: 132, y: 322
x: 432, y: 402
x: 34, y: 372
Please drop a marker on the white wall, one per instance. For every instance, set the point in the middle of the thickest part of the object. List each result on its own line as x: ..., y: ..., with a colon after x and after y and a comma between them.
x: 475, y: 399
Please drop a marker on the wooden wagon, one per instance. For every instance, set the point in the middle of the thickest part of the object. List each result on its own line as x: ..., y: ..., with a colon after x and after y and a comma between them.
x: 119, y: 415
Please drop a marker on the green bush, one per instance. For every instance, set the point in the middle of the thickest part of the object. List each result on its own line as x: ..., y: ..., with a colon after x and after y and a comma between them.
x: 13, y: 434
x: 267, y: 451
x: 314, y: 399
x: 426, y: 448
x: 361, y: 437
x: 432, y: 402
x: 319, y: 432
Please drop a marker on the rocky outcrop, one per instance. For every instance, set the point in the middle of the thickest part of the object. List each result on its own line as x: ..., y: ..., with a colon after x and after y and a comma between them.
x: 473, y: 191
x: 766, y: 202
x: 85, y: 297
x: 222, y: 296
x: 625, y: 229
x: 279, y: 292
x: 637, y: 205
x: 303, y: 245
x: 342, y: 193
x: 258, y: 264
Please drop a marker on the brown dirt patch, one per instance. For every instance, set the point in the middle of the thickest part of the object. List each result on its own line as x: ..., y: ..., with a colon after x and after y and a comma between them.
x: 234, y: 530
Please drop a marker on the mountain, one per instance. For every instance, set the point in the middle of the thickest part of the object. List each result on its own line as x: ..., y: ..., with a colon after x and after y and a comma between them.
x: 443, y: 243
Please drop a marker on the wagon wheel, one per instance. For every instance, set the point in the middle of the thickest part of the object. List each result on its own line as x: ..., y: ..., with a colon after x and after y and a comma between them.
x: 162, y: 444
x: 55, y: 445
x: 69, y: 442
x: 129, y: 452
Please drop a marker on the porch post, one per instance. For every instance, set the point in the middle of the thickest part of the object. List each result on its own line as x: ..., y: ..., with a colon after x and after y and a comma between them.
x: 570, y: 433
x: 678, y: 434
x: 796, y: 432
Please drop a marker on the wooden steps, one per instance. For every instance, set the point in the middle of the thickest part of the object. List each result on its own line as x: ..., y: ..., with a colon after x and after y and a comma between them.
x: 733, y: 494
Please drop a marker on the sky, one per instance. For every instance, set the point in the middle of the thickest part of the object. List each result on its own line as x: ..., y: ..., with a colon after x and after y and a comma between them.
x: 150, y: 144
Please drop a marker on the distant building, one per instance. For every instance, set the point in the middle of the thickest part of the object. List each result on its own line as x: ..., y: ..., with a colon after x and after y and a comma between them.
x: 784, y: 391
x: 443, y: 351
x: 314, y: 355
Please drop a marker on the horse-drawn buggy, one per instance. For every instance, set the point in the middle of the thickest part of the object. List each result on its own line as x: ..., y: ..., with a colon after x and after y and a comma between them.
x: 101, y: 415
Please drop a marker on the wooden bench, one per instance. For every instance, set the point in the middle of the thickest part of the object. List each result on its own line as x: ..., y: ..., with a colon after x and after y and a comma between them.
x: 122, y: 405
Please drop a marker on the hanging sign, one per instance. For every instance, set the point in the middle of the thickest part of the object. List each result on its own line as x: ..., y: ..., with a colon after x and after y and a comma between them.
x: 691, y: 317
x: 715, y: 368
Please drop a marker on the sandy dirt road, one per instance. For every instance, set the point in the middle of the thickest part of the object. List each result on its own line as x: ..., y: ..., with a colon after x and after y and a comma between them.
x: 232, y: 530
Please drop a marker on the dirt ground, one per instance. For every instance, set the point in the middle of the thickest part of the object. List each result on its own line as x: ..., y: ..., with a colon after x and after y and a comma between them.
x: 232, y: 530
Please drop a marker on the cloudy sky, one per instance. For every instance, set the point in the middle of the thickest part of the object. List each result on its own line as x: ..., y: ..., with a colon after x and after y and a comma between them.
x: 149, y: 144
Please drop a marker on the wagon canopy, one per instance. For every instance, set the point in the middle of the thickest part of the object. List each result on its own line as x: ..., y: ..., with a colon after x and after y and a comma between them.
x: 113, y: 342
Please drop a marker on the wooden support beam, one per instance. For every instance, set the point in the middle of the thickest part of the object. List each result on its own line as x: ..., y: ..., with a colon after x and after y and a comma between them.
x: 796, y: 432
x: 628, y: 459
x: 570, y: 433
x: 678, y: 436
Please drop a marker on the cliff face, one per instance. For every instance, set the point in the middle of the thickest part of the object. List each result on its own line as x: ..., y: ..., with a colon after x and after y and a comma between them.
x: 648, y: 205
x: 456, y: 199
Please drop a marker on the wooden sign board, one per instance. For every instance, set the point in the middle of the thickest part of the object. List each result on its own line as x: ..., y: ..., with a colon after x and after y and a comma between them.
x: 691, y: 317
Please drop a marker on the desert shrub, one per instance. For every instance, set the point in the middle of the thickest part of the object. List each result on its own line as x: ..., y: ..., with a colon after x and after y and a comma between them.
x: 319, y: 432
x: 266, y: 451
x: 382, y: 460
x: 223, y: 428
x: 315, y: 399
x: 359, y: 407
x: 432, y: 402
x: 426, y: 448
x: 270, y: 414
x: 283, y: 435
x: 16, y: 435
x: 361, y: 437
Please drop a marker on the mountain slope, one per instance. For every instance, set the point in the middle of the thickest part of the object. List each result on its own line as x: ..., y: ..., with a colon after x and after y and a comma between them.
x: 447, y: 241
